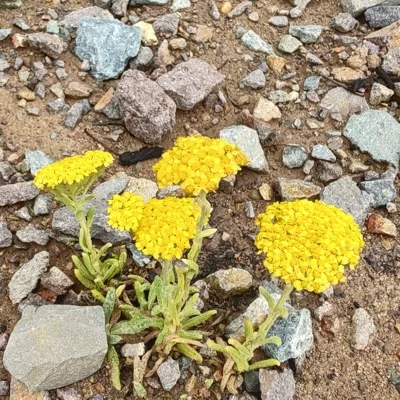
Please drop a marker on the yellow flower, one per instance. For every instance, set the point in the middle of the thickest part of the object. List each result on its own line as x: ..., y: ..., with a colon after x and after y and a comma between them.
x: 71, y: 170
x: 162, y: 228
x: 308, y: 244
x: 198, y: 163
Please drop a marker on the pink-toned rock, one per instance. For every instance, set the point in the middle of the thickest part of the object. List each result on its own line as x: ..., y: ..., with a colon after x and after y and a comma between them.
x: 51, y: 45
x: 380, y: 225
x: 19, y: 40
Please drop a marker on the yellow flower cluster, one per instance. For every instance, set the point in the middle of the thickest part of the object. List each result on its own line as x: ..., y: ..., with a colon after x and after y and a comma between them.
x: 162, y: 228
x: 72, y: 170
x: 308, y: 244
x: 198, y: 163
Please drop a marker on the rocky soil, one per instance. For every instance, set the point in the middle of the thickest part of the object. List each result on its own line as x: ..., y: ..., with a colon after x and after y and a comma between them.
x: 309, y: 90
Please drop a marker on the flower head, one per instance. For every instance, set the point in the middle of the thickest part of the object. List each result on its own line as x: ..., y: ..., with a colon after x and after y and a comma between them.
x: 162, y: 228
x: 308, y: 244
x: 198, y: 163
x: 71, y: 170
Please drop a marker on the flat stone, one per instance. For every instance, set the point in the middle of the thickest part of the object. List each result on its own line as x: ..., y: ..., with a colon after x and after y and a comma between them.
x: 289, y: 44
x: 32, y: 235
x: 265, y: 111
x: 357, y: 7
x: 254, y: 80
x: 278, y: 96
x: 5, y: 33
x: 296, y: 334
x: 279, y: 21
x: 382, y: 191
x: 339, y: 100
x: 377, y: 133
x: 56, y: 281
x: 71, y: 341
x: 293, y: 189
x: 5, y: 235
x: 27, y: 276
x: 36, y: 160
x: 382, y: 16
x: 345, y: 194
x: 380, y: 225
x: 294, y: 156
x: 346, y: 74
x: 148, y: 112
x: 190, y: 82
x: 386, y: 36
x: 322, y: 152
x: 328, y: 171
x: 255, y: 43
x: 391, y: 61
x: 230, y: 282
x: 42, y: 204
x: 133, y: 350
x: 344, y: 23
x: 277, y: 385
x: 77, y: 90
x: 108, y: 45
x: 51, y: 45
x: 168, y: 372
x: 24, y: 214
x: 57, y: 105
x: 17, y: 193
x: 72, y: 20
x: 380, y: 94
x: 111, y: 187
x: 363, y: 328
x: 248, y: 141
x: 276, y: 64
x: 77, y: 111
x: 307, y: 33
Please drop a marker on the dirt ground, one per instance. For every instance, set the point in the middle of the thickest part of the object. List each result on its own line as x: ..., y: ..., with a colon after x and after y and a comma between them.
x: 332, y: 370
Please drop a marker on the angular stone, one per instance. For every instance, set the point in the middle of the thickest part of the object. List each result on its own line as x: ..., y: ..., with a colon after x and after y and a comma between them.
x: 323, y: 310
x: 108, y: 45
x: 346, y: 74
x: 265, y: 111
x: 357, y: 7
x: 190, y: 82
x: 248, y: 141
x: 296, y: 334
x: 345, y: 194
x: 32, y: 235
x: 328, y: 172
x: 377, y: 133
x: 5, y: 235
x: 277, y: 385
x: 344, y: 22
x: 230, y: 282
x: 120, y: 7
x: 380, y: 94
x: 386, y: 36
x: 382, y: 226
x: 382, y: 191
x: 168, y: 372
x: 143, y: 60
x: 148, y: 112
x: 111, y: 187
x: 167, y: 24
x: 51, y: 45
x: 149, y: 2
x: 56, y: 281
x: 36, y: 160
x: 289, y: 44
x: 339, y: 100
x: 77, y: 111
x: 254, y: 42
x: 391, y: 61
x: 71, y: 341
x: 382, y: 16
x: 42, y: 204
x: 26, y: 278
x: 293, y: 189
x: 133, y: 349
x: 149, y: 37
x: 254, y: 80
x: 78, y: 90
x: 307, y: 33
x: 363, y: 328
x: 17, y: 193
x: 178, y: 5
x: 145, y: 188
x: 294, y: 156
x: 72, y: 20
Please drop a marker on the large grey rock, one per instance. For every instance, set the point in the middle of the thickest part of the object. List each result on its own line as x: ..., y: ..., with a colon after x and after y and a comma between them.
x: 5, y: 235
x: 357, y: 7
x: 294, y: 189
x: 108, y: 45
x: 148, y: 112
x: 382, y: 191
x: 72, y: 20
x: 26, y: 278
x: 65, y: 222
x: 248, y: 141
x: 296, y: 334
x: 255, y: 43
x: 51, y: 45
x: 30, y: 234
x: 391, y: 61
x: 294, y: 156
x: 306, y: 33
x: 344, y: 22
x: 190, y: 82
x: 36, y: 160
x: 381, y: 16
x: 377, y: 133
x: 363, y: 328
x: 339, y: 100
x: 169, y: 373
x: 17, y: 192
x: 345, y: 194
x: 53, y: 346
x: 277, y: 385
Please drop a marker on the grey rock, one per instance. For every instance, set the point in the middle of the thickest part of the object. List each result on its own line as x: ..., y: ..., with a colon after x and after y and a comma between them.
x: 339, y: 100
x: 307, y: 33
x: 308, y: 166
x: 3, y: 79
x: 64, y: 221
x: 294, y: 156
x: 61, y: 74
x: 241, y: 8
x: 168, y: 372
x: 322, y: 152
x: 108, y: 45
x: 289, y: 44
x: 133, y: 349
x: 68, y: 393
x: 51, y: 45
x: 143, y: 60
x: 32, y: 111
x: 6, y: 170
x: 21, y: 24
x: 42, y: 204
x: 148, y: 2
x: 278, y: 96
x: 293, y: 189
x: 382, y: 191
x: 277, y: 385
x: 56, y: 105
x: 380, y: 94
x: 145, y: 188
x: 357, y: 7
x: 113, y: 186
x: 178, y: 5
x: 77, y: 111
x: 167, y: 24
x: 229, y: 282
x: 344, y: 22
x: 248, y: 141
x: 323, y: 310
x: 119, y: 7
x: 4, y: 65
x: 148, y: 112
x: 345, y: 194
x: 249, y: 209
x: 4, y: 388
x: 299, y: 9
x: 26, y: 278
x: 17, y: 193
x: 5, y: 236
x: 72, y: 20
x: 32, y: 235
x: 363, y: 328
x: 252, y: 381
x: 52, y: 27
x: 140, y: 259
x: 170, y: 191
x: 190, y: 82
x: 296, y: 334
x: 37, y: 159
x: 254, y: 80
x: 279, y: 21
x: 32, y: 300
x: 312, y: 82
x: 24, y: 214
x: 377, y: 133
x: 328, y: 172
x: 255, y: 43
x: 381, y: 16
x: 71, y: 341
x: 5, y: 33
x: 56, y: 281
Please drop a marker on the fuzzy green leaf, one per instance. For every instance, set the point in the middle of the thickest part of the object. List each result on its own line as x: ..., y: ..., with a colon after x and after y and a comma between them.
x: 189, y: 351
x: 274, y: 340
x: 199, y: 319
x: 114, y: 339
x: 108, y: 304
x: 248, y: 329
x: 267, y: 297
x: 193, y: 335
x: 113, y: 359
x: 154, y: 292
x: 82, y: 279
x: 140, y: 390
x: 190, y: 310
x: 207, y: 232
x: 137, y: 324
x: 264, y: 364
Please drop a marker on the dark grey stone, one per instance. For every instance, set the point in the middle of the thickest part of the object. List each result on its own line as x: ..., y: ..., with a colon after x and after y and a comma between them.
x: 32, y: 235
x: 76, y: 113
x: 294, y: 156
x: 382, y: 191
x: 5, y: 236
x: 252, y: 381
x: 381, y: 16
x: 17, y: 193
x: 328, y: 172
x: 42, y: 204
x: 167, y: 24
